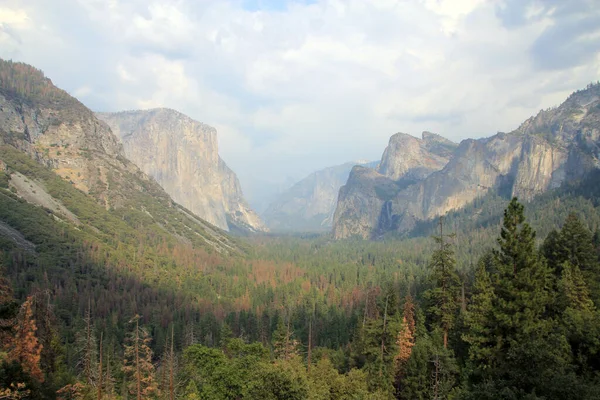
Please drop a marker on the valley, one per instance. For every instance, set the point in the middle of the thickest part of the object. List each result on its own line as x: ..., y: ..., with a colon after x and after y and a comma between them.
x: 133, y: 266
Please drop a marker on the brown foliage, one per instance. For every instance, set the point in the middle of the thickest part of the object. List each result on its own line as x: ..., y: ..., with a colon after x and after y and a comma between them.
x: 26, y: 349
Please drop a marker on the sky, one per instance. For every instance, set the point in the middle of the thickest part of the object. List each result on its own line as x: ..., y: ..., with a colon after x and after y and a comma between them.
x: 293, y: 86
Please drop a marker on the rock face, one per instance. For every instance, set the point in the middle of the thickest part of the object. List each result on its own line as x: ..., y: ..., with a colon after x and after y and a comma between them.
x: 182, y: 155
x: 59, y: 132
x: 363, y: 207
x: 409, y: 158
x: 308, y: 206
x: 546, y: 150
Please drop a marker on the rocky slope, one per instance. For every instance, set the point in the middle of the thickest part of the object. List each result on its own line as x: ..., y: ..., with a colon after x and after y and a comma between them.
x: 182, y: 155
x: 56, y: 130
x: 557, y: 145
x: 308, y: 206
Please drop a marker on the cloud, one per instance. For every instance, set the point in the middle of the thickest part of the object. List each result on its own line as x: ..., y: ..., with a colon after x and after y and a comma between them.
x: 296, y: 85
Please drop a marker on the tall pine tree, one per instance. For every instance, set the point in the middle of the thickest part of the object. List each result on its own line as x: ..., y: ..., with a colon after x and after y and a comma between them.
x: 517, y: 350
x: 444, y: 296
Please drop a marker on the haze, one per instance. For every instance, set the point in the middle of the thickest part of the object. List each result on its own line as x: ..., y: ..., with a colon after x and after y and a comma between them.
x: 295, y: 86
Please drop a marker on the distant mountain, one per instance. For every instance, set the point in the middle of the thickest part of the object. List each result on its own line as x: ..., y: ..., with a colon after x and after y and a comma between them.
x: 46, y: 124
x: 558, y: 145
x: 182, y: 155
x: 308, y: 206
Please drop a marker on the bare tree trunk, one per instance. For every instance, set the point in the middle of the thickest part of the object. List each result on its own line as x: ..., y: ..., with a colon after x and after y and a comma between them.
x: 287, y: 341
x: 383, y: 334
x: 171, y: 366
x: 109, y: 382
x: 87, y: 367
x: 308, y: 361
x: 137, y: 359
x: 164, y: 366
x: 366, y: 308
x: 436, y: 378
x: 100, y: 369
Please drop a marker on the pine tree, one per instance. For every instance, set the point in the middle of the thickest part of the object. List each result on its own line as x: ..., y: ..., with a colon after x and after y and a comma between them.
x: 25, y: 347
x: 444, y: 296
x: 580, y: 320
x: 477, y: 319
x: 409, y: 314
x: 377, y: 347
x: 405, y: 341
x: 577, y: 247
x: 517, y: 348
x: 87, y: 349
x: 574, y: 292
x: 137, y: 365
x: 596, y: 241
x: 285, y: 346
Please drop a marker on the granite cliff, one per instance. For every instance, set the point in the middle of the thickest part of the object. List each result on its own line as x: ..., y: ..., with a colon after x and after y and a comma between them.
x: 557, y: 145
x: 363, y: 203
x: 308, y: 206
x: 60, y: 133
x: 182, y: 155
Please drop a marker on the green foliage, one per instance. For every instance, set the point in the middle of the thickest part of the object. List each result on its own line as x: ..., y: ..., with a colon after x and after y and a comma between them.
x: 443, y: 297
x: 575, y: 245
x: 516, y: 347
x: 431, y: 371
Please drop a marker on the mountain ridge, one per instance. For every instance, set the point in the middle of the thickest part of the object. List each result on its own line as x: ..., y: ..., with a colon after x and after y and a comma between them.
x: 57, y: 131
x: 556, y: 145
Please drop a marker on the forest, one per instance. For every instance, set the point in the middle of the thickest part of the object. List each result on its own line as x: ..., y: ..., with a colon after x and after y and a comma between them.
x: 492, y: 313
x: 497, y: 300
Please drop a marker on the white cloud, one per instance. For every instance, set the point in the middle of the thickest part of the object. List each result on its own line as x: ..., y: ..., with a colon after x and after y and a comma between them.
x: 311, y: 85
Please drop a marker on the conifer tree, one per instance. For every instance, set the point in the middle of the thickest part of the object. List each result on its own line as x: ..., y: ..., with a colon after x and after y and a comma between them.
x: 477, y: 319
x: 576, y: 246
x: 137, y: 365
x: 517, y: 348
x: 25, y: 347
x: 444, y: 296
x: 87, y: 348
x: 580, y: 320
x: 574, y: 292
x: 285, y: 346
x: 596, y: 241
x: 405, y: 341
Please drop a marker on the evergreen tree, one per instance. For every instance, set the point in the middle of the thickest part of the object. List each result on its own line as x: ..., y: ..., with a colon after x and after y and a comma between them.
x: 477, y: 319
x: 596, y: 241
x: 517, y: 348
x: 444, y: 296
x: 284, y: 345
x: 577, y: 247
x: 552, y: 251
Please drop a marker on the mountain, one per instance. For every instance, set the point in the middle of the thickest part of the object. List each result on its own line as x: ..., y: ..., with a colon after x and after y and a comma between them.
x: 308, y: 206
x: 42, y: 122
x: 362, y: 203
x: 558, y: 145
x: 182, y: 155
